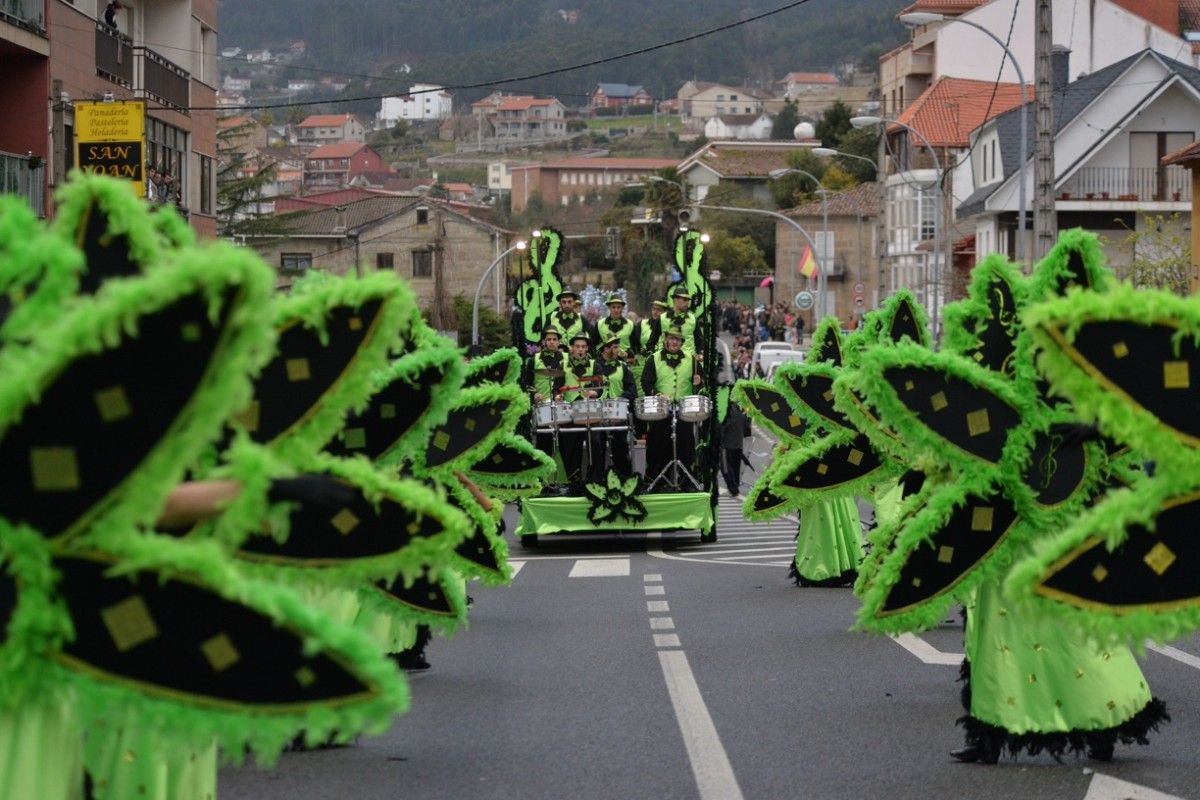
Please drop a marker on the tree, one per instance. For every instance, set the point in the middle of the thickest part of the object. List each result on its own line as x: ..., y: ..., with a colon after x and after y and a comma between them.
x: 243, y: 180
x: 860, y: 142
x: 794, y: 188
x: 837, y: 179
x: 1161, y: 255
x: 735, y: 255
x: 834, y: 124
x: 641, y: 262
x: 494, y: 330
x: 786, y: 121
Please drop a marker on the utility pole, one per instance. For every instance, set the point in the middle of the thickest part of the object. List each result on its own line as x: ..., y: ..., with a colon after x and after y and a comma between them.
x: 881, y: 227
x: 1045, y: 221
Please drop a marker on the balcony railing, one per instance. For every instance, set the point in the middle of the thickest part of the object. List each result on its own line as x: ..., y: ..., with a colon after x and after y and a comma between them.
x: 27, y: 14
x: 114, y: 56
x: 1127, y: 184
x: 163, y: 80
x: 25, y: 177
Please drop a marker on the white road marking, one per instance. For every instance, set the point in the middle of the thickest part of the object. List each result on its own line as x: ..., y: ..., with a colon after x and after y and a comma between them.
x: 1175, y: 653
x: 657, y: 606
x: 652, y: 578
x: 925, y: 651
x: 666, y: 640
x: 653, y: 590
x: 1106, y: 787
x: 710, y: 765
x: 662, y: 624
x: 516, y: 567
x: 771, y: 552
x: 600, y: 568
x: 566, y: 558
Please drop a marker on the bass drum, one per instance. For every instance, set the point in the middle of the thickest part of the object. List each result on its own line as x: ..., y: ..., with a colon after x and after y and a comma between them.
x: 652, y: 408
x: 695, y: 408
x: 615, y: 411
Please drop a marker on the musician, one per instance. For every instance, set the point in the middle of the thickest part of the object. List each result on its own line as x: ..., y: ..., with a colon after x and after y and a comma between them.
x: 582, y: 381
x: 615, y: 325
x: 682, y: 318
x: 543, y: 377
x: 672, y: 375
x: 619, y: 383
x: 567, y: 318
x: 647, y: 335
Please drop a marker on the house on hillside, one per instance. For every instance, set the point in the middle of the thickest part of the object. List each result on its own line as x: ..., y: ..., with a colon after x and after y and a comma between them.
x: 322, y: 129
x: 1112, y: 129
x: 241, y: 134
x: 619, y: 95
x: 522, y: 117
x: 440, y: 251
x: 739, y: 127
x: 799, y: 84
x: 747, y: 165
x: 423, y: 101
x: 500, y: 176
x: 336, y: 164
x: 575, y: 180
x: 699, y: 100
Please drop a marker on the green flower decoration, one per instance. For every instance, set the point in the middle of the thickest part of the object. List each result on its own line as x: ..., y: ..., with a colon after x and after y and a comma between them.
x: 615, y: 499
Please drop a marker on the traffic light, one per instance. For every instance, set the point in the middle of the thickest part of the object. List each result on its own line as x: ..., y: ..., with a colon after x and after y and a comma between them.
x: 688, y: 215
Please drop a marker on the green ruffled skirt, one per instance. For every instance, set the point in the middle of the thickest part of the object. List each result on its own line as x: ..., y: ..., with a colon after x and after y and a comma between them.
x: 829, y: 545
x: 125, y: 759
x: 41, y: 752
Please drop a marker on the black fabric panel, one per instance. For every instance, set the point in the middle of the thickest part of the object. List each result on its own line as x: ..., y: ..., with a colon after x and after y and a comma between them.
x: 166, y: 650
x: 391, y: 413
x: 771, y: 405
x: 846, y: 462
x: 496, y: 373
x: 766, y: 500
x: 830, y: 348
x: 1076, y: 274
x: 871, y: 413
x: 106, y: 256
x: 817, y: 392
x: 8, y: 602
x: 283, y: 402
x: 140, y: 387
x: 424, y: 595
x: 463, y: 429
x: 912, y: 482
x: 1132, y: 358
x: 504, y: 460
x: 477, y: 549
x: 318, y: 532
x: 904, y: 323
x: 1056, y: 470
x: 996, y: 333
x: 952, y: 421
x: 960, y: 544
x: 1148, y: 569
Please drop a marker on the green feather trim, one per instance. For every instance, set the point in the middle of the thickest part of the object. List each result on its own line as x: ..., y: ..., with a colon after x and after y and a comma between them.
x: 175, y: 232
x: 101, y: 322
x: 508, y: 357
x: 126, y: 215
x: 816, y: 450
x: 828, y: 329
x: 790, y: 373
x: 309, y: 305
x: 38, y: 271
x: 526, y: 480
x: 376, y: 602
x: 515, y: 406
x: 39, y: 624
x: 883, y: 537
x: 1055, y: 266
x: 739, y: 396
x: 489, y: 524
x: 762, y: 491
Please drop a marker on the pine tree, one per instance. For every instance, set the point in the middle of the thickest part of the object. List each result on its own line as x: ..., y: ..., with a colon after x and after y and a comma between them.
x: 243, y: 175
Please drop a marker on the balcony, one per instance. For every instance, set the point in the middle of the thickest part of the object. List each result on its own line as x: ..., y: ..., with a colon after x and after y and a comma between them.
x: 114, y: 56
x: 24, y: 176
x: 162, y: 80
x: 1129, y: 184
x: 27, y: 14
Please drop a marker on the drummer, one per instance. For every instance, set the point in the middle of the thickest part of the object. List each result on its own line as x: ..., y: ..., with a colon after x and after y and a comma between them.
x: 619, y: 384
x: 543, y: 377
x: 647, y: 336
x: 567, y: 318
x: 581, y: 382
x: 614, y: 325
x: 682, y: 318
x: 672, y: 375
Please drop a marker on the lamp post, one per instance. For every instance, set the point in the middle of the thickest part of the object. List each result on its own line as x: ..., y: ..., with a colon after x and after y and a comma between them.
x: 826, y: 256
x: 918, y: 18
x: 520, y: 245
x: 938, y: 222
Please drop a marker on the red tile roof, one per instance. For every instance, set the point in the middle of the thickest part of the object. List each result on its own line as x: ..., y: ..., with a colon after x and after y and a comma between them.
x: 1185, y: 156
x: 523, y: 103
x: 325, y: 121
x: 337, y: 150
x: 604, y: 163
x: 948, y: 111
x: 810, y: 77
x: 1163, y: 13
x: 234, y: 122
x: 857, y: 201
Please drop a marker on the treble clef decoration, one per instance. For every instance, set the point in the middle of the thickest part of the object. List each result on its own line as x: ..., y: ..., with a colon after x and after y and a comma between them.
x: 537, y: 297
x: 1048, y: 465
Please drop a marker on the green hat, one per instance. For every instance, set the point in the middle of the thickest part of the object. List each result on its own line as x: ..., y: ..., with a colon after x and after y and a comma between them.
x: 610, y: 341
x: 550, y: 330
x: 613, y: 299
x: 662, y: 303
x: 681, y: 291
x: 674, y: 331
x: 582, y: 336
x: 567, y: 293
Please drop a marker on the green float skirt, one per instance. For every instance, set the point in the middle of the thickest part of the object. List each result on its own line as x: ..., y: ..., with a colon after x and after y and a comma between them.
x: 829, y: 545
x: 125, y: 759
x: 40, y: 752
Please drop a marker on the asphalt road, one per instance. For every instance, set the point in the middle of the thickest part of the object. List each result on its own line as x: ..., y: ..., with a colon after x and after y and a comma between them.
x: 648, y: 667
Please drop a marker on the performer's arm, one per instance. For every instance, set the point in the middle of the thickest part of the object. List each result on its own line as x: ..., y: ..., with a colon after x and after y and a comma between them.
x: 628, y: 387
x: 194, y: 501
x: 649, y: 378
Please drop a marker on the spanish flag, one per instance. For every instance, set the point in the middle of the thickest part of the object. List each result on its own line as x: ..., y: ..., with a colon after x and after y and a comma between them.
x: 808, y: 264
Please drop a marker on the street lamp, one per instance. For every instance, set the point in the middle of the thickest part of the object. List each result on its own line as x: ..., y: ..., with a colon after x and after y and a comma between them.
x: 826, y: 152
x: 520, y: 245
x: 868, y: 122
x: 826, y: 255
x: 918, y: 18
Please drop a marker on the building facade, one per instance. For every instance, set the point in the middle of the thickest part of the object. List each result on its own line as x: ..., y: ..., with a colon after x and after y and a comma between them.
x: 424, y: 101
x: 576, y: 180
x: 335, y: 165
x: 322, y: 129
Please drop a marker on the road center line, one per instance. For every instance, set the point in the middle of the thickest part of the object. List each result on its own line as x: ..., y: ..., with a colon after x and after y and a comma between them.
x: 657, y: 606
x: 1175, y: 653
x: 925, y: 651
x: 710, y: 765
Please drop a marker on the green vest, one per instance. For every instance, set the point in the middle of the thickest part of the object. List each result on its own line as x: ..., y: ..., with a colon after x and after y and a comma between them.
x: 566, y: 331
x: 615, y: 387
x: 572, y: 379
x: 624, y: 335
x: 649, y: 338
x: 687, y: 325
x: 674, y: 382
x: 544, y: 384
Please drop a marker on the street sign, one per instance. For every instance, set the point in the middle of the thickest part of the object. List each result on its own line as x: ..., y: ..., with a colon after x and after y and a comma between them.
x: 860, y: 288
x: 804, y: 300
x: 859, y: 302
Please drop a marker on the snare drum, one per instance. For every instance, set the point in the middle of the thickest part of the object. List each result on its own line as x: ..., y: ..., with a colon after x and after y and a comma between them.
x: 695, y: 408
x: 587, y: 412
x: 551, y: 415
x: 615, y: 411
x: 652, y: 408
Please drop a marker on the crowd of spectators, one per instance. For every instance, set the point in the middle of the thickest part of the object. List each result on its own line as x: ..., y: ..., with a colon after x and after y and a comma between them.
x: 762, y: 323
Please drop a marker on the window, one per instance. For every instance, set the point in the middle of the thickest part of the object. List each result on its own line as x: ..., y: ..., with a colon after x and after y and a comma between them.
x: 166, y: 151
x: 928, y: 207
x: 422, y: 216
x: 385, y: 261
x: 985, y: 165
x: 206, y: 177
x: 294, y: 263
x: 422, y: 261
x: 733, y: 98
x: 825, y: 246
x: 994, y: 165
x: 720, y: 109
x: 720, y: 98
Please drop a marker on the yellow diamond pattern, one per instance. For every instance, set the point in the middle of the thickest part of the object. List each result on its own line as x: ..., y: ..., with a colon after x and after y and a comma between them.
x: 355, y: 323
x: 909, y: 386
x: 344, y: 521
x: 248, y: 417
x: 441, y: 440
x: 978, y: 422
x: 774, y: 407
x: 822, y: 469
x: 1159, y: 558
x: 354, y: 438
x: 129, y: 623
x: 981, y: 518
x: 794, y: 421
x: 938, y: 401
x: 54, y: 469
x: 1099, y: 573
x: 1120, y: 350
x: 305, y: 677
x: 1176, y: 375
x: 297, y: 369
x: 855, y: 457
x: 828, y: 395
x: 112, y: 403
x: 387, y: 411
x: 945, y: 554
x: 469, y: 424
x: 190, y: 331
x: 220, y: 652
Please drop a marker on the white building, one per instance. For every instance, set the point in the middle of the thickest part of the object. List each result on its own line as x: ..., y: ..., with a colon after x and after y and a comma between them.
x: 423, y: 101
x: 739, y: 127
x: 232, y: 84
